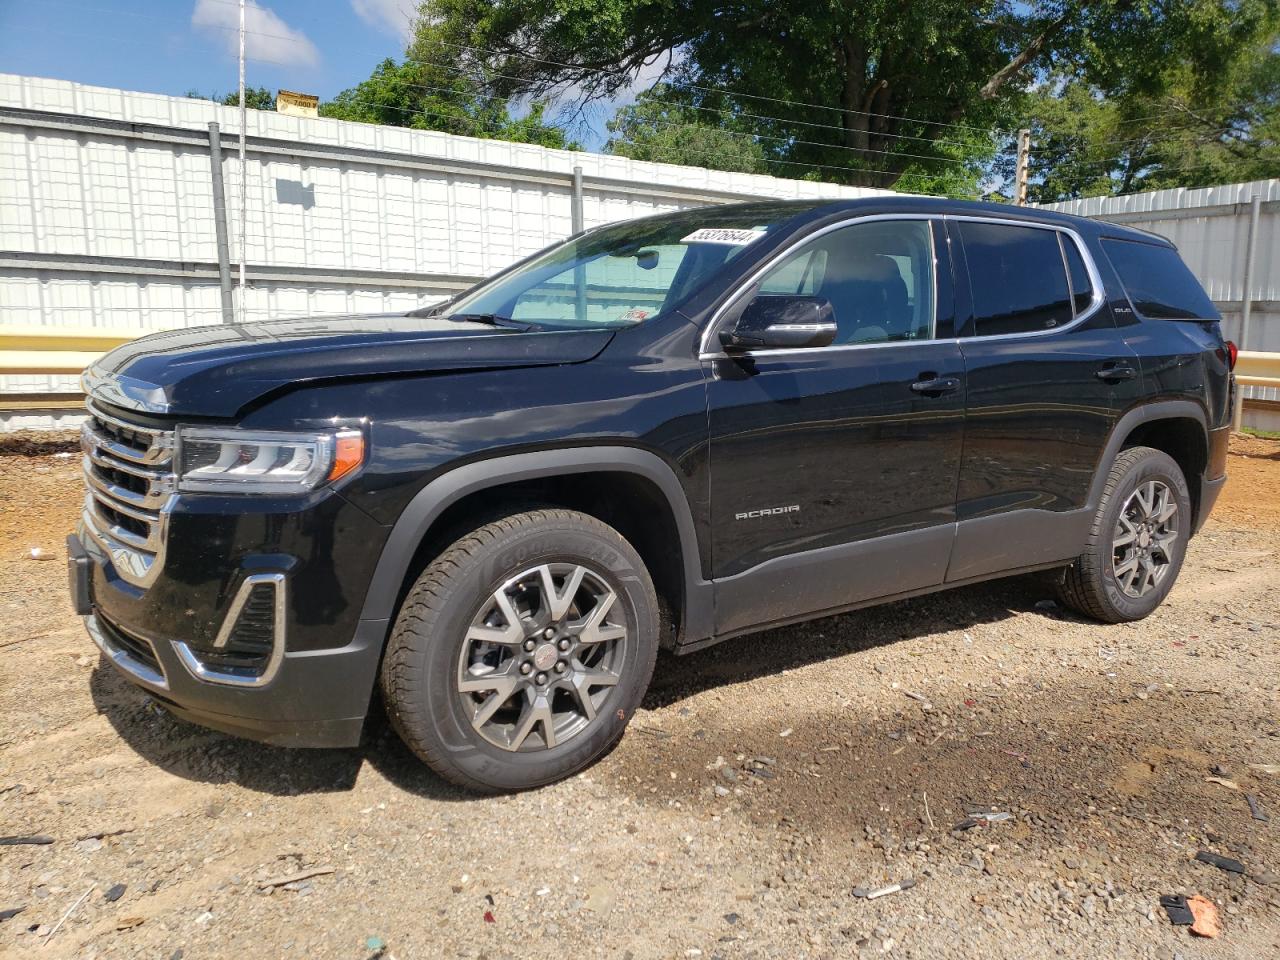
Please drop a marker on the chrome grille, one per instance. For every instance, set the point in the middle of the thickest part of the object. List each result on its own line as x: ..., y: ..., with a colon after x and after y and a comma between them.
x: 129, y: 481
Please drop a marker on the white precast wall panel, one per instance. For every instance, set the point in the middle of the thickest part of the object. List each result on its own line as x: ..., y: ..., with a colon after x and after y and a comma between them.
x: 1210, y: 226
x: 107, y: 214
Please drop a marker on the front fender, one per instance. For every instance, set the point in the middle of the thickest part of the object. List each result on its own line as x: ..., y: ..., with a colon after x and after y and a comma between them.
x: 436, y: 497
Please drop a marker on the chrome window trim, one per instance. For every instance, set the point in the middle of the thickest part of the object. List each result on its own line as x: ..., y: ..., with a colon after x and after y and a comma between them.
x: 206, y: 674
x: 1095, y: 278
x: 778, y: 257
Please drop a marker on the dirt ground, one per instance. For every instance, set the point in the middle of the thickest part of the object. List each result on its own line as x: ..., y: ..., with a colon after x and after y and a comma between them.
x: 764, y: 781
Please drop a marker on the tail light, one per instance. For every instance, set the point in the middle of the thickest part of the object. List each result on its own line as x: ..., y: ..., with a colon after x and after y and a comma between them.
x: 1232, y: 352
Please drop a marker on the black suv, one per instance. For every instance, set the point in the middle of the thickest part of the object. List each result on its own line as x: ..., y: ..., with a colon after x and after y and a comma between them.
x: 661, y: 433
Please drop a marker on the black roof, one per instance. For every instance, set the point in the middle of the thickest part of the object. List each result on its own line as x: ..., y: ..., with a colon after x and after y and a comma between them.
x: 942, y: 206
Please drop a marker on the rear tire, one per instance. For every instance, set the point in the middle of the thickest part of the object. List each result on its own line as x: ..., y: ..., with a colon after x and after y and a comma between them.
x: 1136, y: 543
x: 522, y: 650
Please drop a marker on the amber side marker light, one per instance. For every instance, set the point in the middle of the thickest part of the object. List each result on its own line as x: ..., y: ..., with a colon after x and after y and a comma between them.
x: 348, y: 454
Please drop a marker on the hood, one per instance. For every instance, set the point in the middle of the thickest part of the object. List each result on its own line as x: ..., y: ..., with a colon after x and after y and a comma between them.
x: 215, y: 371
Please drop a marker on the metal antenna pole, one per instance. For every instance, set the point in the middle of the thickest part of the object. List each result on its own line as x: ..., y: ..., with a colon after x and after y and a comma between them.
x: 1024, y: 162
x: 244, y: 181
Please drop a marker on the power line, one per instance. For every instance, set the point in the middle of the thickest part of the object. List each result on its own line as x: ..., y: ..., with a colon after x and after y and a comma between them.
x: 582, y: 68
x: 672, y: 123
x: 717, y: 90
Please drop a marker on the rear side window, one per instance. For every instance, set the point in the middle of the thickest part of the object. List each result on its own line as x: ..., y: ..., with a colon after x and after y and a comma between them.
x: 1158, y: 283
x: 1018, y: 277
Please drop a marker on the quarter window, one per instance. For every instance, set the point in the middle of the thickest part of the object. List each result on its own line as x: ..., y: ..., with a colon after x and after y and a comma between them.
x: 1158, y: 282
x: 1018, y: 278
x: 877, y: 275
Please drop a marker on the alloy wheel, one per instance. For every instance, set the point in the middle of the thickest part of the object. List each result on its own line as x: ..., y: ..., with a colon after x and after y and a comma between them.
x: 1145, y: 533
x: 541, y: 656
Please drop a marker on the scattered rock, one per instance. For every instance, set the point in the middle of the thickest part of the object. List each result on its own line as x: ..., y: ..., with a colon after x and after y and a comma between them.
x: 37, y: 840
x: 1206, y: 917
x: 115, y: 892
x: 1222, y: 863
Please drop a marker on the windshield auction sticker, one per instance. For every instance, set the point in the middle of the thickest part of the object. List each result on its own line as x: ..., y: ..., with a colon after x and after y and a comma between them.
x: 731, y: 235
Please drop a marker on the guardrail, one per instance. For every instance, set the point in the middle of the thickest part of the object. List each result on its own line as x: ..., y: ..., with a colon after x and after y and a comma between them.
x: 27, y: 350
x: 1254, y: 369
x: 68, y: 350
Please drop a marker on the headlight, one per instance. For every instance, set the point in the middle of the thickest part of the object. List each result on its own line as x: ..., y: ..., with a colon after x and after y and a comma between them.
x: 226, y: 460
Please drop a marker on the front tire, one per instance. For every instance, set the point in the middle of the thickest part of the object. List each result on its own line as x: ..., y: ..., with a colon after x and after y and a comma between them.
x: 522, y: 650
x: 1137, y: 541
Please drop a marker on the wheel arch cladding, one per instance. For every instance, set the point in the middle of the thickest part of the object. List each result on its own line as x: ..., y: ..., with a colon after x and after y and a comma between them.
x: 1178, y: 428
x: 439, y: 510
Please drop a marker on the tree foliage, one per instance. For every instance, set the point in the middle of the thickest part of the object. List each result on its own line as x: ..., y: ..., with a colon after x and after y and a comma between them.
x: 419, y: 94
x: 1170, y: 132
x: 662, y: 126
x: 255, y: 98
x: 876, y: 93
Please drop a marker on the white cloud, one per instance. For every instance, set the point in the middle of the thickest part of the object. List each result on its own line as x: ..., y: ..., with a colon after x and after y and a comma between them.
x: 395, y: 15
x: 267, y: 37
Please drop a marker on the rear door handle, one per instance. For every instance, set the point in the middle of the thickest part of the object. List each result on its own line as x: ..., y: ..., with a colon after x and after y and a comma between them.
x: 936, y: 386
x: 1116, y: 372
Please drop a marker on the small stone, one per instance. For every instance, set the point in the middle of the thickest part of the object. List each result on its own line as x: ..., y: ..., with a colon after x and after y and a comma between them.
x: 115, y: 893
x: 731, y: 918
x: 729, y: 774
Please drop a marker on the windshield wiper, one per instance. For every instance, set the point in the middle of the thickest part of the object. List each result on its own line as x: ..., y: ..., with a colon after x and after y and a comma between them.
x: 490, y: 319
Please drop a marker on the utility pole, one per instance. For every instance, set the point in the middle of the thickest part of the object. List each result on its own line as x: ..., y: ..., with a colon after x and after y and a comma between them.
x: 1246, y: 304
x: 1020, y: 174
x: 244, y: 180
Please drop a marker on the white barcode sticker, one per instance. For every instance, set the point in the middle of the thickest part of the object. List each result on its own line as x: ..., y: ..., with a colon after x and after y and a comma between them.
x: 733, y: 236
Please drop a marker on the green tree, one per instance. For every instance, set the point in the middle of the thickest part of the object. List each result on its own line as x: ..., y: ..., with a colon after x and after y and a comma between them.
x: 662, y: 128
x: 864, y: 92
x: 1172, y: 131
x: 255, y: 98
x: 427, y: 97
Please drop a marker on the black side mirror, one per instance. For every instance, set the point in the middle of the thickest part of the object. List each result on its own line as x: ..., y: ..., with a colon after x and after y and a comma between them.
x: 780, y: 322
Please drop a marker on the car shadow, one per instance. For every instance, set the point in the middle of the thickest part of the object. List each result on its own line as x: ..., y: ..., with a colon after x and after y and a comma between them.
x: 766, y: 653
x: 201, y: 755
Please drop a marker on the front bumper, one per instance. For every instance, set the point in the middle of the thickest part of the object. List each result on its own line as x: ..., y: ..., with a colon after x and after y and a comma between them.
x: 308, y: 698
x: 317, y: 698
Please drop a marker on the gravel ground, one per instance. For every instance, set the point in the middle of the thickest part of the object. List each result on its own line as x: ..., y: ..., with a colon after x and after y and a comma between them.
x: 763, y: 782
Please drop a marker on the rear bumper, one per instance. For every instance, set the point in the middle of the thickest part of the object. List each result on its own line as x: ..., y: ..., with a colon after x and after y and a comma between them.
x: 1217, y: 468
x: 1209, y: 492
x: 316, y: 698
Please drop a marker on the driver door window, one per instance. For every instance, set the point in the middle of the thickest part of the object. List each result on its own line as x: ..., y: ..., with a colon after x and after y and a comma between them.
x: 878, y: 276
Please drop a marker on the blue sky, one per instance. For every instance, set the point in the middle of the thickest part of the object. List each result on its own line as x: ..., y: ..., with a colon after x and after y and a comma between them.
x: 172, y: 46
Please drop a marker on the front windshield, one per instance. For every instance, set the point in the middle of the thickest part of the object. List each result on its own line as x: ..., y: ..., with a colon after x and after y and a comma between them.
x: 625, y: 273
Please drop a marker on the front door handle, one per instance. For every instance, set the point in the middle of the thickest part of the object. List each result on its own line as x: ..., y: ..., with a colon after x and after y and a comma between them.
x: 936, y: 386
x: 1116, y: 372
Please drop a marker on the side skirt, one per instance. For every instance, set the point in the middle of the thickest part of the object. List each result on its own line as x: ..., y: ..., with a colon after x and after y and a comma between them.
x: 696, y: 645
